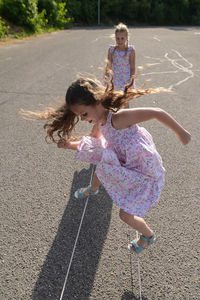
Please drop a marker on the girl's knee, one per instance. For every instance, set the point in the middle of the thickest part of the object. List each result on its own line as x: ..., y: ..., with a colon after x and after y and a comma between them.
x: 123, y: 215
x: 126, y: 217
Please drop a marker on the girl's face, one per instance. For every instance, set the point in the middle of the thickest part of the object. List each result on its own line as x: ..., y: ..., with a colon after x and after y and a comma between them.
x: 92, y: 114
x: 121, y: 39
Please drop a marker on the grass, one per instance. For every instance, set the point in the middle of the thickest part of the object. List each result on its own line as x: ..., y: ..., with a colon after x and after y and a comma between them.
x: 18, y: 32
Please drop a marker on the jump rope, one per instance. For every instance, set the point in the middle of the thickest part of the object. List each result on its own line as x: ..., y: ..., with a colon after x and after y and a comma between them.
x: 75, y: 243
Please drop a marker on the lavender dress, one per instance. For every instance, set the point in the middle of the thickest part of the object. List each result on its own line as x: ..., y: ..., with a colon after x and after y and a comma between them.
x: 128, y: 166
x: 121, y: 67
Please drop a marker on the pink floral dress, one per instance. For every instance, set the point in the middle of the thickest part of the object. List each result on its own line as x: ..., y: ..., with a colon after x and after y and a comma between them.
x: 121, y: 67
x: 128, y: 166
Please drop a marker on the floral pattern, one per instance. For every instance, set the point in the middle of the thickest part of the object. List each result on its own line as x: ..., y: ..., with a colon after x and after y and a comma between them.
x: 121, y: 67
x: 128, y: 166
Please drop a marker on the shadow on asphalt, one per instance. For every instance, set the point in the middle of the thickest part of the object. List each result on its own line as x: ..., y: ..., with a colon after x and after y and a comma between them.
x: 88, y: 249
x: 127, y: 295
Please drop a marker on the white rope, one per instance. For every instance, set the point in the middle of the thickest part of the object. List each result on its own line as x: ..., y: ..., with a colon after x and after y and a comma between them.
x: 131, y: 264
x: 139, y: 276
x: 79, y: 229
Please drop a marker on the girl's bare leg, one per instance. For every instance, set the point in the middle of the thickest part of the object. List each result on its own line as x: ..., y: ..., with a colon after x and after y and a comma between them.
x: 94, y: 185
x: 138, y: 224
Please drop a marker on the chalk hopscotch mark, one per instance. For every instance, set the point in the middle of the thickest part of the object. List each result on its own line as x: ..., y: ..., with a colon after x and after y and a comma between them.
x: 156, y: 38
x: 103, y: 37
x: 180, y: 67
x: 176, y: 63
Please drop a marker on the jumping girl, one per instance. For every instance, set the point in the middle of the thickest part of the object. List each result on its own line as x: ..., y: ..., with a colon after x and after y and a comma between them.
x: 128, y: 164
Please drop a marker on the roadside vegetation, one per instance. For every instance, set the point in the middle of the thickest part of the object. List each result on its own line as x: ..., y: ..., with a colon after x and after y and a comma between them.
x: 21, y: 18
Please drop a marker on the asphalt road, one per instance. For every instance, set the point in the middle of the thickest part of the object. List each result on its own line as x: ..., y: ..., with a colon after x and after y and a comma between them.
x: 39, y: 225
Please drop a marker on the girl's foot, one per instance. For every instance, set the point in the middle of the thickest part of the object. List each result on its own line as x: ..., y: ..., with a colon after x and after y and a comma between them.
x: 84, y: 192
x: 141, y: 243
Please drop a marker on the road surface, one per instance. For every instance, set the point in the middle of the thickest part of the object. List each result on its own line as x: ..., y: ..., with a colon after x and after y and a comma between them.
x: 39, y: 225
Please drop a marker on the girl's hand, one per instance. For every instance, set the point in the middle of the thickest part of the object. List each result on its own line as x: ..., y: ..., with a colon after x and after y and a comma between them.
x: 64, y: 143
x: 184, y: 137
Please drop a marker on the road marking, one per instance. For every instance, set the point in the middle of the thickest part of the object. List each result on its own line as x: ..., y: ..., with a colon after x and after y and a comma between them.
x: 156, y: 38
x: 176, y: 63
x: 101, y: 37
x: 7, y: 58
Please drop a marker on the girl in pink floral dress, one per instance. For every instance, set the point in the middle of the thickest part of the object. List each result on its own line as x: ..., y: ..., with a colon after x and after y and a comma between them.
x: 128, y: 164
x: 121, y: 58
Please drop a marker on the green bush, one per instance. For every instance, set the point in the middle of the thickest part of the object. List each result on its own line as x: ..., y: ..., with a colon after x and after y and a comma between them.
x: 144, y: 11
x: 89, y: 11
x: 74, y: 9
x: 24, y: 13
x: 132, y: 12
x: 40, y: 22
x: 1, y: 5
x: 61, y: 21
x: 110, y: 11
x: 20, y: 11
x: 83, y: 11
x: 56, y: 13
x: 4, y: 29
x: 176, y: 12
x: 157, y: 13
x: 39, y: 14
x: 194, y: 12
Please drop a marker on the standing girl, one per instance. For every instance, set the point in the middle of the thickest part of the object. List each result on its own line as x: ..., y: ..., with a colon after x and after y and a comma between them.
x: 120, y: 64
x: 121, y: 58
x: 128, y: 164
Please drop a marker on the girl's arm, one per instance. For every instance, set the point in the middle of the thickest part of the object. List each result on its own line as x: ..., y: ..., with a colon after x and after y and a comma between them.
x: 126, y: 118
x: 96, y: 133
x: 132, y: 62
x: 66, y: 144
x: 109, y: 63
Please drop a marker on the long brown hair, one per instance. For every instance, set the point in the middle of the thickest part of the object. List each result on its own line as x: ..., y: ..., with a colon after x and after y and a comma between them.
x: 61, y: 121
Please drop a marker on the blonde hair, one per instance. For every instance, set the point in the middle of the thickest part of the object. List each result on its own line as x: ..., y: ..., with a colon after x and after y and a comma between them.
x: 85, y: 91
x: 121, y: 28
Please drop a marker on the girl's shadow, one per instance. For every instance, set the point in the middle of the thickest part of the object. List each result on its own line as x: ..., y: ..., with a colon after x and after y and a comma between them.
x: 88, y: 249
x: 127, y: 295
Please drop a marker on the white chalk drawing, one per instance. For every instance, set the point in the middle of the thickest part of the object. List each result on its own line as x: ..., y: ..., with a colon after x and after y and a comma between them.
x: 180, y: 67
x: 156, y: 38
x: 180, y: 63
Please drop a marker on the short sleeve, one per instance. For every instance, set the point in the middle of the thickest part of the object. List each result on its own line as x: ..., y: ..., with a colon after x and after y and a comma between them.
x: 111, y: 49
x: 130, y: 48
